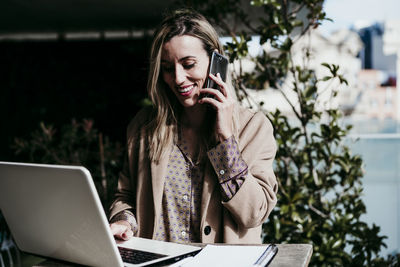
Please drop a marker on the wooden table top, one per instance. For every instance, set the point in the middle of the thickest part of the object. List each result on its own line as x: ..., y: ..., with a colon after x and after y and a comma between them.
x: 293, y: 255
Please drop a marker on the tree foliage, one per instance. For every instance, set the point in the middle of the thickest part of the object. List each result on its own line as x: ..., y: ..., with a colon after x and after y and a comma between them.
x: 319, y: 199
x: 77, y: 143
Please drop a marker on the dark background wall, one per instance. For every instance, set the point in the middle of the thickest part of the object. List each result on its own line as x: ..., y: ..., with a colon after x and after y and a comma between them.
x: 56, y: 81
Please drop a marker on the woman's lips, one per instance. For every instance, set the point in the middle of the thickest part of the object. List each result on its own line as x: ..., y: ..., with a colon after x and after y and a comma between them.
x: 185, y: 90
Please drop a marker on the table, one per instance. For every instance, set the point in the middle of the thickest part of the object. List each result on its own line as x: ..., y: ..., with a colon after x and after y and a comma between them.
x: 292, y: 255
x: 289, y: 255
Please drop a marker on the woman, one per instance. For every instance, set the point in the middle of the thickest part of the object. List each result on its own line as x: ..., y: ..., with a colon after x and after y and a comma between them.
x: 198, y: 167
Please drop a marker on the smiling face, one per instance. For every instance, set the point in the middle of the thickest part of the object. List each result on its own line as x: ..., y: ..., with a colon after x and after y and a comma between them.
x: 184, y: 65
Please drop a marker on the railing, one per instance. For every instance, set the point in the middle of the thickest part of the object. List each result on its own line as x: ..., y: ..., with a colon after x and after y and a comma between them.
x: 381, y: 156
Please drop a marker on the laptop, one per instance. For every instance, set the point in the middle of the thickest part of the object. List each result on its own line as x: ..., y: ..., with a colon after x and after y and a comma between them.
x: 54, y: 211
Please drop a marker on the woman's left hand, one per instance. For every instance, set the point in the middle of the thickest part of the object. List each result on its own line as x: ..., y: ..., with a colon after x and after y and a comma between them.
x: 223, y: 102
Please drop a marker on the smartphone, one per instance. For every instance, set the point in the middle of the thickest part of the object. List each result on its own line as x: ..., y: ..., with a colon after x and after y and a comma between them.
x: 218, y: 64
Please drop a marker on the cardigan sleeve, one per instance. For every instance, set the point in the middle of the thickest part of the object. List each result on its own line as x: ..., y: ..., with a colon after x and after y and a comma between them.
x: 256, y: 197
x: 229, y: 166
x: 126, y: 215
x: 124, y: 198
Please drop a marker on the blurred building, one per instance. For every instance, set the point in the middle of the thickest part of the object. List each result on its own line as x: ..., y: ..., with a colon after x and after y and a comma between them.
x: 372, y: 54
x: 391, y: 45
x: 377, y: 96
x: 340, y: 48
x: 368, y: 58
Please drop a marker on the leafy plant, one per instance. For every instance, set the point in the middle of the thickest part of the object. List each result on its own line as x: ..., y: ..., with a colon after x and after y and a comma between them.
x: 78, y: 143
x: 319, y: 199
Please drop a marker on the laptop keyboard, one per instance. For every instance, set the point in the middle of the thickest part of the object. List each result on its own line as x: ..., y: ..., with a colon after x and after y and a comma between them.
x: 137, y: 256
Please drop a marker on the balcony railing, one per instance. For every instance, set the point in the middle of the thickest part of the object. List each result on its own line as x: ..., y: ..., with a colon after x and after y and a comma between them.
x: 381, y: 156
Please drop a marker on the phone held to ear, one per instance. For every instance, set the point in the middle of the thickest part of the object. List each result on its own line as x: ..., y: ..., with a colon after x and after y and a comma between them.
x: 218, y: 64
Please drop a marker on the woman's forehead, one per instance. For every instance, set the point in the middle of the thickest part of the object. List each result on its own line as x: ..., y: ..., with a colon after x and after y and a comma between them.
x: 183, y: 46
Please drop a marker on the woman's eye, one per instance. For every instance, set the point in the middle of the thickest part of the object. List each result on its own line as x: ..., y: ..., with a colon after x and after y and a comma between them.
x: 189, y: 66
x: 171, y: 68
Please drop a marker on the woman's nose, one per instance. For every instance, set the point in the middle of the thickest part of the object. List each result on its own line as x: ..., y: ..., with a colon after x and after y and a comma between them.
x: 180, y: 75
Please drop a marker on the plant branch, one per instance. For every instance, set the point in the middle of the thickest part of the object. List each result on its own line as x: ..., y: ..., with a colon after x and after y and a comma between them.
x: 320, y: 213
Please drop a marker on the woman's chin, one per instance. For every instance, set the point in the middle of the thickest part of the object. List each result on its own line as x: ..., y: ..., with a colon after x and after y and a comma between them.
x: 190, y: 102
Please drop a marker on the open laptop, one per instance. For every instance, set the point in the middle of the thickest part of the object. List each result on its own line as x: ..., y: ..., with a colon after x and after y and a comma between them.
x: 55, y: 211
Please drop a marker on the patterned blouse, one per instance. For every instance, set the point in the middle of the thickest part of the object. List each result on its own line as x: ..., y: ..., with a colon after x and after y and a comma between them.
x: 180, y: 217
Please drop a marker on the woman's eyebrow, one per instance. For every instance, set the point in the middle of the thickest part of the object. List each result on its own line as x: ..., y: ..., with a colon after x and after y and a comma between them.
x: 187, y: 57
x: 180, y: 60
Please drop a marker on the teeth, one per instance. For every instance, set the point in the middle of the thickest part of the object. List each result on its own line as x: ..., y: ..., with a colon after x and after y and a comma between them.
x: 185, y: 90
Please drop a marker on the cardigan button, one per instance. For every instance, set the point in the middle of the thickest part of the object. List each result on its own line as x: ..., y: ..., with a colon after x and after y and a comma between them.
x: 207, y: 230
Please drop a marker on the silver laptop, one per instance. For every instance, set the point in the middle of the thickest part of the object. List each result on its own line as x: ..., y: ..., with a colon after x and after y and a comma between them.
x: 55, y: 211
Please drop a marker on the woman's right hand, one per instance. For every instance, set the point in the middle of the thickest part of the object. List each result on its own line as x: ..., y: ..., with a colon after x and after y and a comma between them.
x: 121, y: 230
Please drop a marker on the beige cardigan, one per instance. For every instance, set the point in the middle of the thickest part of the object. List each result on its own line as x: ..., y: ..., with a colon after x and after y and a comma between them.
x: 239, y: 220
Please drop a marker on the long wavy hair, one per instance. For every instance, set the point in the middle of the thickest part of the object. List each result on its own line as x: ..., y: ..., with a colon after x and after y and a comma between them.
x: 162, y: 128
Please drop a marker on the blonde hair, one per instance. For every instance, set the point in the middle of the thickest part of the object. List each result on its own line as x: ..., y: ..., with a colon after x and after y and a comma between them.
x: 162, y: 128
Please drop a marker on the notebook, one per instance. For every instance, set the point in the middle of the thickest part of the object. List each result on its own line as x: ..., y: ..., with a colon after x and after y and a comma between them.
x: 55, y: 211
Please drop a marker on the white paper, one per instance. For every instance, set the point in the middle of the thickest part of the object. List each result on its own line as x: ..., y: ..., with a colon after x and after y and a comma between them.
x: 222, y: 256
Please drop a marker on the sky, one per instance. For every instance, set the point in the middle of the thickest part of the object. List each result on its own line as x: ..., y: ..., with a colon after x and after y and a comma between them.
x: 346, y: 13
